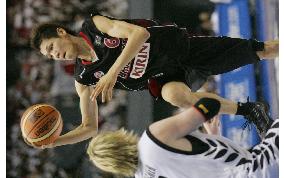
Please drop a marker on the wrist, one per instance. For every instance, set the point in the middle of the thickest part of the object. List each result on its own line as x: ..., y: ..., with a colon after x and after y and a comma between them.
x: 113, y: 72
x: 52, y: 145
x: 55, y: 143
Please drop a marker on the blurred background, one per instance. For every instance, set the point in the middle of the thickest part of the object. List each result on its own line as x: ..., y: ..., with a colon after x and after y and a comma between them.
x: 32, y: 79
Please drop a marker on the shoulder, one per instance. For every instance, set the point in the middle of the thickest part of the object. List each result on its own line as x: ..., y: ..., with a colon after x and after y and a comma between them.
x: 149, y: 143
x: 96, y: 16
x: 88, y: 24
x: 80, y: 88
x: 145, y: 140
x: 157, y: 131
x: 147, y: 146
x: 78, y: 85
x: 95, y: 23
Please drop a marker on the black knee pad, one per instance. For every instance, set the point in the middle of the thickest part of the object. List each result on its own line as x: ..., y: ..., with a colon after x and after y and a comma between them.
x: 208, y: 107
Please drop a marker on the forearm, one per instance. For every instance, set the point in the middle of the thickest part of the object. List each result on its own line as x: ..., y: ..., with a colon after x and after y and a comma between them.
x: 133, y: 46
x: 79, y: 134
x: 189, y: 120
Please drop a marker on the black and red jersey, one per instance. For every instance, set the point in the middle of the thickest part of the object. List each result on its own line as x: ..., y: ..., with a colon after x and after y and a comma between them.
x: 170, y: 54
x: 156, y: 59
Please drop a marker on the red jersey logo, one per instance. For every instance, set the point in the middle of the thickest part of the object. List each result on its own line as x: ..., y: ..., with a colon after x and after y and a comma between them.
x: 111, y: 42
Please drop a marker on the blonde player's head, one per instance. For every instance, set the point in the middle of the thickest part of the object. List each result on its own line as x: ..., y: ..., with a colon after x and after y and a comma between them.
x: 115, y: 152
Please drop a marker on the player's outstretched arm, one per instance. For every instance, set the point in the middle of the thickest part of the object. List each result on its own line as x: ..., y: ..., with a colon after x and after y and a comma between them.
x: 173, y: 128
x: 136, y: 36
x: 89, y: 125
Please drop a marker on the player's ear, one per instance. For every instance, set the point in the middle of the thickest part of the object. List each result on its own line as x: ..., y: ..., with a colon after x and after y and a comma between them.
x: 61, y: 31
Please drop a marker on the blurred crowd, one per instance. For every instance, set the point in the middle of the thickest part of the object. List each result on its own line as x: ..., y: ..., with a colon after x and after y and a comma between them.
x: 30, y: 78
x: 22, y: 15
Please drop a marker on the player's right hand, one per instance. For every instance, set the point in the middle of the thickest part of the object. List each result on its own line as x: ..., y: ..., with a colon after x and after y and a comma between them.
x: 104, y: 86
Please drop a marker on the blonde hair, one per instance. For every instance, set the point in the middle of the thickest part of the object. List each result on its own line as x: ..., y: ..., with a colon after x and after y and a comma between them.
x: 115, y: 152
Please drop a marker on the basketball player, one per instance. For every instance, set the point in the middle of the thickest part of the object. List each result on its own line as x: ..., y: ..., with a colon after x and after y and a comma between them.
x: 143, y: 54
x: 171, y: 149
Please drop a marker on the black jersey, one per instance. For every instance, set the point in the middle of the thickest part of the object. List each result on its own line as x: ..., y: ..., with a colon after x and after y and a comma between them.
x: 156, y: 59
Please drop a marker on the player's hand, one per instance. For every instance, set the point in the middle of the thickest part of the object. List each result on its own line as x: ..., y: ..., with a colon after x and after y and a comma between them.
x: 42, y: 146
x: 45, y: 146
x: 105, y: 86
x: 213, y: 126
x: 38, y: 147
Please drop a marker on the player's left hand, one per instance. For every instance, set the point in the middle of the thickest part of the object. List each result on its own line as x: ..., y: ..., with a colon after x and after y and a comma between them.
x: 105, y: 86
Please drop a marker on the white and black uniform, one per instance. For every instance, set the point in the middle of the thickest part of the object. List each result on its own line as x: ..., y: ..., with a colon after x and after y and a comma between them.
x: 211, y: 156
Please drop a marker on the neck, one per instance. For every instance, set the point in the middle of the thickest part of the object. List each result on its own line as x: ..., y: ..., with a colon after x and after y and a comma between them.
x: 83, y: 49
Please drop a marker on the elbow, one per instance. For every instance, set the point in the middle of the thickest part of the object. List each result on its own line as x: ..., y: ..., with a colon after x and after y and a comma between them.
x: 143, y: 32
x: 93, y: 133
x: 146, y: 33
x: 92, y: 129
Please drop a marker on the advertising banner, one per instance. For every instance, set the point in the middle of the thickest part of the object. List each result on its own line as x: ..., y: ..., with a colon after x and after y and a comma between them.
x: 234, y: 21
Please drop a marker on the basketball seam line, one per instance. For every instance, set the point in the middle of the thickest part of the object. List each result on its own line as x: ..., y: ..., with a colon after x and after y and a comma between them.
x: 27, y: 116
x: 41, y: 120
x: 32, y: 140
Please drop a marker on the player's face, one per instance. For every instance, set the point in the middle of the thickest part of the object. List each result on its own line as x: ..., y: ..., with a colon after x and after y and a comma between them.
x: 59, y: 48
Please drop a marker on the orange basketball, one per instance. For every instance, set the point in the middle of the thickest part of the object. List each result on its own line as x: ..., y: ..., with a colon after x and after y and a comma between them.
x: 41, y: 124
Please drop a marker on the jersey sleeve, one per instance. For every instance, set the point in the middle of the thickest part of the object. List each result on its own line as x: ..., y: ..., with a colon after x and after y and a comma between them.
x: 88, y: 26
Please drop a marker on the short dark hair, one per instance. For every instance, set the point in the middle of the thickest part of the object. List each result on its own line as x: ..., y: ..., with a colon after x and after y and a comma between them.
x: 46, y: 31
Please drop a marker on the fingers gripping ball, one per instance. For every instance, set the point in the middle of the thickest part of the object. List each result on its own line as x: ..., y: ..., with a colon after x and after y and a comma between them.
x: 41, y: 124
